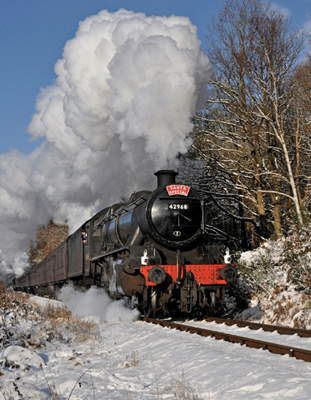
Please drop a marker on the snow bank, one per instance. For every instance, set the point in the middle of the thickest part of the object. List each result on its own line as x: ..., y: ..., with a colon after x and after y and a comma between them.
x: 278, y: 272
x: 16, y: 355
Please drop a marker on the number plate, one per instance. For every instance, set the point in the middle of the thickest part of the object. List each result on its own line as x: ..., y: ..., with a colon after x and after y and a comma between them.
x: 178, y: 206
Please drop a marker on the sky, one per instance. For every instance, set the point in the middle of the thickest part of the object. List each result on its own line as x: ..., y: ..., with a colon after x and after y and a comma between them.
x: 33, y: 34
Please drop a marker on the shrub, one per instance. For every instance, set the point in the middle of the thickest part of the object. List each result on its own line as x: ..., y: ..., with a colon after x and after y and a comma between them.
x: 49, y: 322
x: 279, y: 275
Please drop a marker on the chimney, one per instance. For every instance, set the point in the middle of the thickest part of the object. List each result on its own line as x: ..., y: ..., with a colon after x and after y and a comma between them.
x: 166, y: 177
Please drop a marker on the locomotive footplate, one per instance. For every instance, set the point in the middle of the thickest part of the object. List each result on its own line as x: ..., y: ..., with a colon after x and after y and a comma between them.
x: 206, y: 274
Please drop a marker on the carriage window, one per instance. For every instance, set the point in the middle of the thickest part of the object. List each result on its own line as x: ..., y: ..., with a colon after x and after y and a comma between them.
x: 96, y: 227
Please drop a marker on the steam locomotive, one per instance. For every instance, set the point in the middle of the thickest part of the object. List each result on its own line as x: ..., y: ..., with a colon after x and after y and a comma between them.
x: 150, y: 250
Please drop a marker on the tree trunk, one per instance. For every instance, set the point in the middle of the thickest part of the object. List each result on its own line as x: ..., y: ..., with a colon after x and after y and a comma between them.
x: 264, y: 232
x: 277, y: 221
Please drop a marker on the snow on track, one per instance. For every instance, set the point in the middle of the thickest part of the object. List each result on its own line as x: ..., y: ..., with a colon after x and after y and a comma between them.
x: 260, y: 334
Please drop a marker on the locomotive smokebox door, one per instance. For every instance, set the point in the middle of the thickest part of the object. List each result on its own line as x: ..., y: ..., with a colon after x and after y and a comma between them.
x: 173, y: 213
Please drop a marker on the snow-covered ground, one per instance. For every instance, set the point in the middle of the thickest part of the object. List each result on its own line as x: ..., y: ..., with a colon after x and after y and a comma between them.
x: 130, y: 359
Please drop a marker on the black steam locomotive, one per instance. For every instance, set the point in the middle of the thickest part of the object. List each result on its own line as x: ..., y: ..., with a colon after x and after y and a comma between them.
x: 150, y: 250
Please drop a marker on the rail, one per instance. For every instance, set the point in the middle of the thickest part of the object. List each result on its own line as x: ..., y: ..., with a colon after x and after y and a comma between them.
x: 299, y: 354
x: 282, y: 330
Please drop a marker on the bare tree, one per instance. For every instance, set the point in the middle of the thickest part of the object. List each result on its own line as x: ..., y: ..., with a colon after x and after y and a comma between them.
x: 242, y: 131
x: 298, y: 124
x: 225, y: 219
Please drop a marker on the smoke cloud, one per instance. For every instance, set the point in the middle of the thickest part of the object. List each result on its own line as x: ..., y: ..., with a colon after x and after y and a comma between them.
x: 96, y: 303
x: 120, y: 109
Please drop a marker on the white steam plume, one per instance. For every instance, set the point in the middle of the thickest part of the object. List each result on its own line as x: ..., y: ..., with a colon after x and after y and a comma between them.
x: 120, y: 109
x: 96, y: 303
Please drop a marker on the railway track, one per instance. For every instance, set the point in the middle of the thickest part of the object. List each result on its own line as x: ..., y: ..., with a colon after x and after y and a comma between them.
x: 282, y: 330
x: 299, y: 354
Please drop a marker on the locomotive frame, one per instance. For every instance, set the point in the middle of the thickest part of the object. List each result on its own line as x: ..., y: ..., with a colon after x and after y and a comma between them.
x: 149, y: 250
